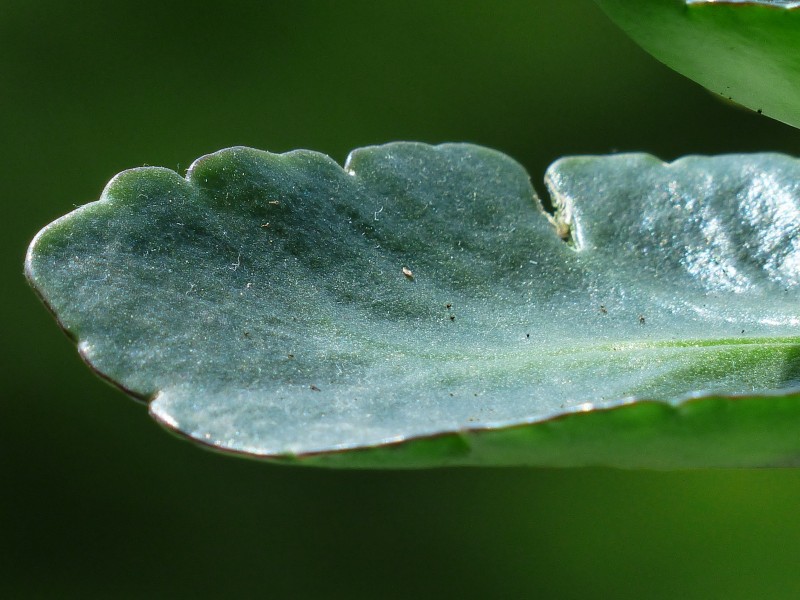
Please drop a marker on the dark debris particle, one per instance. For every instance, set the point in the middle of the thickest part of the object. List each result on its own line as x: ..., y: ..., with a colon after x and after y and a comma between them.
x: 641, y: 320
x: 290, y: 356
x: 603, y: 309
x: 452, y: 317
x: 314, y: 388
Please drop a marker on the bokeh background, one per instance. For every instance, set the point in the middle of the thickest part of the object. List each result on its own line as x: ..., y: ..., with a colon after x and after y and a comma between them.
x: 98, y: 502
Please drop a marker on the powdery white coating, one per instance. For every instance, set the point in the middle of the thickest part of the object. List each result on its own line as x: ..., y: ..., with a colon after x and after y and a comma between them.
x: 263, y: 305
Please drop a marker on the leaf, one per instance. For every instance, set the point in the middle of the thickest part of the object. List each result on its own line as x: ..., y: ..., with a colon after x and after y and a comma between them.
x: 746, y: 51
x: 417, y: 308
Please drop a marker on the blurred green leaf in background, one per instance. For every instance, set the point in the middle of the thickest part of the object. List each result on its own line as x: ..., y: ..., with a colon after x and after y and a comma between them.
x: 747, y: 51
x: 97, y: 502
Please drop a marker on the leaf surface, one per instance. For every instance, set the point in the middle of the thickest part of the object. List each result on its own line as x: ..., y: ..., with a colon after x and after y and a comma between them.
x: 418, y: 307
x: 746, y: 51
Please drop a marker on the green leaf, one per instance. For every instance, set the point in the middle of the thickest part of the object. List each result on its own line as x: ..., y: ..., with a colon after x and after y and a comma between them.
x: 418, y: 307
x: 746, y: 51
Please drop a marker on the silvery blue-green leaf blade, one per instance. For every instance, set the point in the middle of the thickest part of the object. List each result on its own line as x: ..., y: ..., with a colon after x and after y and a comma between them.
x: 746, y: 51
x: 418, y: 307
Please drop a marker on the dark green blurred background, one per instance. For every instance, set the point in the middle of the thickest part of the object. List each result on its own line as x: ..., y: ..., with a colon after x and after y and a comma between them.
x: 97, y: 501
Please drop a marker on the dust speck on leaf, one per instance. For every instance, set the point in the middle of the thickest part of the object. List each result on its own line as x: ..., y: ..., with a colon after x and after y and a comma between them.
x: 407, y: 272
x: 563, y: 230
